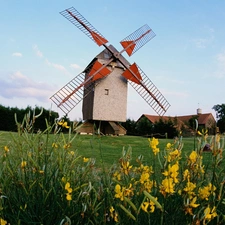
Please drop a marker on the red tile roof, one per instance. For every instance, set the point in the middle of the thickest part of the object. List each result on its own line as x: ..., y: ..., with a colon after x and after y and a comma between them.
x: 202, y: 118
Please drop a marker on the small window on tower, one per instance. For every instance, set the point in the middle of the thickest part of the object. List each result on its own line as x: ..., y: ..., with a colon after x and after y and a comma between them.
x: 106, y: 91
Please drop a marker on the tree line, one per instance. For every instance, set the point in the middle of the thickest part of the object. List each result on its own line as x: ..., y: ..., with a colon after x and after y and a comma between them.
x: 8, y: 121
x: 160, y: 129
x: 144, y: 127
x: 169, y: 127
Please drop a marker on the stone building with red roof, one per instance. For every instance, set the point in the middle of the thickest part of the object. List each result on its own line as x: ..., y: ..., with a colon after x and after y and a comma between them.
x: 187, y: 123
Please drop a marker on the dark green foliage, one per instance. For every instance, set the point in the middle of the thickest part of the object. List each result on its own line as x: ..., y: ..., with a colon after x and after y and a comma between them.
x: 220, y: 115
x: 8, y: 119
x: 192, y: 123
x: 145, y: 127
x: 165, y: 127
x: 130, y: 126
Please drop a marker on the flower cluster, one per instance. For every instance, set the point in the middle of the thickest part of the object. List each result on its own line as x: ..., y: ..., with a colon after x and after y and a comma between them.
x: 69, y: 191
x: 187, y: 181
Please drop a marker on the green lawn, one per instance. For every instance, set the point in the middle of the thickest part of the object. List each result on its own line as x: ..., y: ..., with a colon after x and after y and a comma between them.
x: 108, y: 149
x: 44, y: 167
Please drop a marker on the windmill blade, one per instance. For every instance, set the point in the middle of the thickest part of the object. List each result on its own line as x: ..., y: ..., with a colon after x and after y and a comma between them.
x: 147, y: 90
x: 137, y: 39
x: 59, y: 96
x: 80, y: 22
x: 79, y: 87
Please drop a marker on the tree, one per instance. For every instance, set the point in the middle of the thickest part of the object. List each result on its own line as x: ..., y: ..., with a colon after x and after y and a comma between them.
x: 144, y: 127
x: 130, y: 126
x: 8, y: 119
x: 220, y: 115
x: 166, y: 126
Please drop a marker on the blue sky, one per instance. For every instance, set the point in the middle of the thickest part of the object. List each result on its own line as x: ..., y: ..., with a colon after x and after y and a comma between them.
x: 41, y: 51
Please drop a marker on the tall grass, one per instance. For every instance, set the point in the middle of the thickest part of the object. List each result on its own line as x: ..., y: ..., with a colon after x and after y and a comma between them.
x: 58, y: 177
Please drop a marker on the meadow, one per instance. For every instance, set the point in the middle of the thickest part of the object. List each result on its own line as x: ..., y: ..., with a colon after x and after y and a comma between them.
x: 107, y: 149
x: 59, y: 177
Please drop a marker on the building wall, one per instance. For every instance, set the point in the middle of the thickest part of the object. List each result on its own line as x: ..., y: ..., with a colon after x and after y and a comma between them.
x: 110, y: 98
x: 87, y: 107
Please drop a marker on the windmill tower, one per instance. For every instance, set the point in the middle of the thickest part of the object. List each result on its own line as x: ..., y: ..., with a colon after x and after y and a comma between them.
x: 103, y: 84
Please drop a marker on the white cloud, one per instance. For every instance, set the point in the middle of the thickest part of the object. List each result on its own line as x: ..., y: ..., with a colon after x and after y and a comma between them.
x: 205, y: 41
x: 20, y: 86
x: 37, y: 51
x: 17, y: 54
x: 59, y: 67
x: 55, y: 65
x: 75, y: 66
x: 200, y: 42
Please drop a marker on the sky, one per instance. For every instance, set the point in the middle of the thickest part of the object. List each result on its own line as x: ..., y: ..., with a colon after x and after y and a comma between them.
x: 41, y: 51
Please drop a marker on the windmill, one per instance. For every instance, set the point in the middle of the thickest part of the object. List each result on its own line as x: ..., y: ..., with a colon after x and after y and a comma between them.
x: 103, y: 84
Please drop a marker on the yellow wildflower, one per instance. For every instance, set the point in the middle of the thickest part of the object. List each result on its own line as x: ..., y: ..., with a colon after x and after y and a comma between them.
x: 193, y: 157
x: 186, y: 174
x: 192, y: 204
x: 125, y: 167
x: 23, y: 164
x: 174, y: 154
x: 128, y: 191
x: 63, y: 124
x: 167, y: 186
x: 63, y: 179
x: 144, y: 177
x: 3, y: 222
x: 205, y: 192
x: 117, y: 175
x: 68, y: 196
x: 172, y: 172
x: 153, y: 144
x: 189, y: 188
x: 69, y: 191
x: 113, y: 214
x: 168, y: 146
x: 148, y: 185
x: 66, y: 146
x: 85, y: 159
x: 122, y: 192
x: 68, y: 188
x: 148, y: 205
x: 119, y: 192
x: 6, y: 148
x: 155, y: 151
x: 210, y: 214
x: 54, y: 145
x: 72, y: 152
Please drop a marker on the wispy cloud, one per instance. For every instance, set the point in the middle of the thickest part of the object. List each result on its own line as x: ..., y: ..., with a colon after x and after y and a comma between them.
x: 37, y: 51
x: 17, y: 85
x: 203, y: 42
x: 55, y: 65
x: 75, y: 66
x: 17, y: 54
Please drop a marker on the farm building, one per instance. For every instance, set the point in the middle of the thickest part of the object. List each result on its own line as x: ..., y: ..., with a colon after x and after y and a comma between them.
x: 187, y: 123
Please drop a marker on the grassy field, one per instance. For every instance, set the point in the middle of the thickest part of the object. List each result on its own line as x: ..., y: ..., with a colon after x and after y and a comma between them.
x: 108, y: 149
x: 44, y: 166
